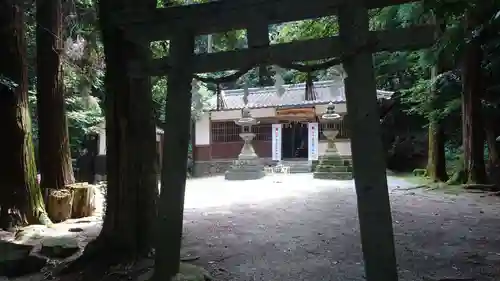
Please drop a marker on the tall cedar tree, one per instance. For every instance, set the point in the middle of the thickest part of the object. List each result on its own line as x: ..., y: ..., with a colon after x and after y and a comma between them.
x: 473, y: 90
x: 436, y: 162
x: 54, y: 150
x: 132, y: 186
x: 20, y: 197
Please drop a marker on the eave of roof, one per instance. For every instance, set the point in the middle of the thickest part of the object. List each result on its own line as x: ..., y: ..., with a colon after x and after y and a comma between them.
x: 266, y: 97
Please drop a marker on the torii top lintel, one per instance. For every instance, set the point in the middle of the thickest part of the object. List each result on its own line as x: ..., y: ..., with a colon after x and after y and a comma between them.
x: 412, y: 38
x: 222, y: 16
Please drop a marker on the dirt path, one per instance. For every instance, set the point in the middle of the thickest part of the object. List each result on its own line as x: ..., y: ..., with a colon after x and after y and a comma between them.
x: 296, y: 228
x: 304, y: 229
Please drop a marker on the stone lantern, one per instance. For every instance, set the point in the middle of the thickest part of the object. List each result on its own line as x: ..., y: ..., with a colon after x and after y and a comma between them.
x: 331, y: 165
x: 248, y: 166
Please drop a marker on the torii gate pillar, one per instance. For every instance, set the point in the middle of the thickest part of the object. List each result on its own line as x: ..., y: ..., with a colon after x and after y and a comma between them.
x: 178, y: 108
x: 368, y: 158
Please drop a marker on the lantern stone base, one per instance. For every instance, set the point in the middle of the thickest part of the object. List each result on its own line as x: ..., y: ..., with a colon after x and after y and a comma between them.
x: 248, y: 166
x: 245, y: 169
x: 332, y: 167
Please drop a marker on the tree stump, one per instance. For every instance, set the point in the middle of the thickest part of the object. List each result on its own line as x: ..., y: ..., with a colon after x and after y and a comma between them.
x: 83, y: 200
x: 59, y: 204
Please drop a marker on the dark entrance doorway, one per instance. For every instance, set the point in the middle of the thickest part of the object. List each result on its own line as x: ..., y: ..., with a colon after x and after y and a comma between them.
x: 294, y: 140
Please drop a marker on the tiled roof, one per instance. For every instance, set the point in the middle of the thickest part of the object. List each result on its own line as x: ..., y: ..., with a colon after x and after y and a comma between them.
x: 294, y: 95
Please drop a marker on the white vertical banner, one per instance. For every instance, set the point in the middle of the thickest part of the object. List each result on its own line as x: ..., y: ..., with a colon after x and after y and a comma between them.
x: 276, y: 141
x: 313, y: 141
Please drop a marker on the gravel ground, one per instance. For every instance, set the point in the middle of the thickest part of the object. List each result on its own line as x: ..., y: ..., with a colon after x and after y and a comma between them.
x: 298, y: 228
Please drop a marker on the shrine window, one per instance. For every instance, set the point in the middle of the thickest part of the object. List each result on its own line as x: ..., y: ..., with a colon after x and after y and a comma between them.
x: 230, y: 132
x: 340, y: 126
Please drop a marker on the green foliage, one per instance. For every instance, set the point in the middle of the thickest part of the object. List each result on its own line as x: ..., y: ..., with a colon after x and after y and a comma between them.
x: 84, y: 117
x: 408, y: 73
x: 445, y: 104
x: 83, y: 71
x: 307, y: 29
x: 159, y: 90
x: 7, y: 82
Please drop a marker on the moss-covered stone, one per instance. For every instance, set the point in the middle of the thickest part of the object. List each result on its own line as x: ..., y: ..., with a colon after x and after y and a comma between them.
x: 187, y: 272
x: 333, y: 176
x: 333, y: 167
x: 420, y: 172
x: 190, y: 272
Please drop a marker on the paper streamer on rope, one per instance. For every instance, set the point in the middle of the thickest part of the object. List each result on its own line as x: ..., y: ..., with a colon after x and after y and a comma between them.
x: 309, y: 93
x: 246, y: 93
x: 195, y: 92
x: 219, y: 97
x: 279, y: 82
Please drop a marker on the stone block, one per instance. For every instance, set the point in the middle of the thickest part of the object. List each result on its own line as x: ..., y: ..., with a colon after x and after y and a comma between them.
x: 333, y: 167
x: 245, y: 170
x: 333, y: 175
x: 16, y: 260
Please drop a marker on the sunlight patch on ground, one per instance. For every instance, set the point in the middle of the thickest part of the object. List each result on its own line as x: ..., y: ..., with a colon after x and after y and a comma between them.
x: 79, y: 229
x: 201, y: 193
x: 217, y: 192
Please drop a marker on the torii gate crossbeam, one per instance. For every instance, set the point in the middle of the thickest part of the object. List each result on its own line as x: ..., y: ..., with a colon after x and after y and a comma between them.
x: 227, y: 15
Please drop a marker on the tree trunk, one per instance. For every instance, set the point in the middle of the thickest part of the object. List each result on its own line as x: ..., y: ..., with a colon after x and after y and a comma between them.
x: 436, y: 165
x: 193, y: 148
x: 436, y: 161
x: 132, y: 188
x: 55, y: 155
x: 472, y: 126
x: 492, y: 132
x: 83, y: 204
x: 59, y: 204
x: 20, y: 196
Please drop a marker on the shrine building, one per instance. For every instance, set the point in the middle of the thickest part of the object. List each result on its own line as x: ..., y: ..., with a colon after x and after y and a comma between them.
x: 293, y: 116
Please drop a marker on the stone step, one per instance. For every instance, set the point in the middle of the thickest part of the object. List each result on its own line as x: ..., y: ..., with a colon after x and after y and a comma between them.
x: 297, y: 166
x: 297, y: 170
x: 334, y: 169
x: 333, y: 175
x: 335, y: 161
x: 338, y: 164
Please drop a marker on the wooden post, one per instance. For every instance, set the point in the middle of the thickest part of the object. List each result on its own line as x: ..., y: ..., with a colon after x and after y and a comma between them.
x: 92, y: 149
x: 374, y: 210
x: 175, y: 149
x: 258, y: 36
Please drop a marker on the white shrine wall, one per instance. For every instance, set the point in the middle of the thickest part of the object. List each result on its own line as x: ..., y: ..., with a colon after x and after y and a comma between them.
x: 202, y: 129
x: 101, y: 145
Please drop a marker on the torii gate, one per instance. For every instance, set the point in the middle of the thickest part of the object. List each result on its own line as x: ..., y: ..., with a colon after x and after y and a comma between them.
x: 181, y: 24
